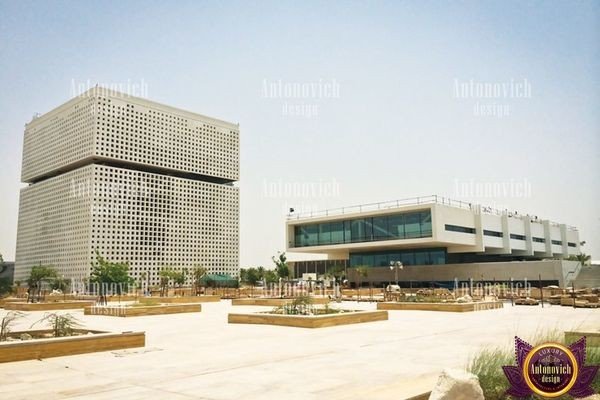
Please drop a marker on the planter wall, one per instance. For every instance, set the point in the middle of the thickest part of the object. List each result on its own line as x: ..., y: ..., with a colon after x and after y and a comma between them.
x: 66, y: 305
x: 447, y: 307
x: 301, y: 321
x: 580, y: 301
x: 143, y: 310
x: 273, y: 302
x: 187, y: 299
x: 65, y: 346
x: 10, y: 300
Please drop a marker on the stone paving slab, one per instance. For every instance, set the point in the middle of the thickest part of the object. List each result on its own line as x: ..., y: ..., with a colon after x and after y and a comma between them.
x: 200, y: 356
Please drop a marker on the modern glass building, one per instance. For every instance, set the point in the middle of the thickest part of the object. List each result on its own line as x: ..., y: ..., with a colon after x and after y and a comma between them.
x: 430, y: 232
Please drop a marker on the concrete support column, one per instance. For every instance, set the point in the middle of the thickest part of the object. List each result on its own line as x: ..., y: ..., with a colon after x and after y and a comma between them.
x: 547, y: 238
x: 564, y: 240
x: 528, y: 238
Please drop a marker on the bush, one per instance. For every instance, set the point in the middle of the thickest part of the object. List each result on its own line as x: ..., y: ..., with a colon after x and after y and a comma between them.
x: 6, y: 323
x: 61, y: 325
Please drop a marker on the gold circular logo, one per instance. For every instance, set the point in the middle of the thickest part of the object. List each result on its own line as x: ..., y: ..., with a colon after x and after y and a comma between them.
x: 550, y: 370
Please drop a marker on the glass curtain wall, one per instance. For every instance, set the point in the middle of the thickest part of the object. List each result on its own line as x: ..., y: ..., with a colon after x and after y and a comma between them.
x: 408, y: 257
x: 386, y: 227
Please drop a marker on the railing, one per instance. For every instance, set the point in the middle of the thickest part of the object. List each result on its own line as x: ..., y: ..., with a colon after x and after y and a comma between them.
x: 573, y: 273
x: 412, y: 201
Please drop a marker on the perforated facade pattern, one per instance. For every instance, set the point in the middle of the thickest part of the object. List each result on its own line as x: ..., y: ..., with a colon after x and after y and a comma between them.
x: 54, y: 225
x: 139, y: 132
x: 140, y: 182
x: 153, y: 220
x: 59, y: 138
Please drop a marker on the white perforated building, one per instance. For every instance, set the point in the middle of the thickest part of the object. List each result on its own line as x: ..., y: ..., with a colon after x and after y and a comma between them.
x: 138, y: 181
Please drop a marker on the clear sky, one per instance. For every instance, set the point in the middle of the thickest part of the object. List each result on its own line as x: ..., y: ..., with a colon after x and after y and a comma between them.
x: 399, y: 112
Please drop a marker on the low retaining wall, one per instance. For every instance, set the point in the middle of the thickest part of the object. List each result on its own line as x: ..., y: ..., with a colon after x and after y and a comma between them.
x: 58, y: 305
x: 301, y: 321
x: 143, y: 310
x: 592, y: 339
x: 65, y: 346
x: 447, y: 307
x: 273, y: 302
x: 7, y: 300
x: 187, y: 299
x: 579, y: 302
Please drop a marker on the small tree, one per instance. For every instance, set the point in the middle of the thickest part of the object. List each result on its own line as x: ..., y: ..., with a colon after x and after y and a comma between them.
x: 197, y: 274
x: 60, y: 283
x: 261, y: 273
x: 165, y: 275
x: 143, y: 279
x: 242, y: 274
x: 270, y: 276
x: 179, y: 278
x: 361, y: 272
x: 6, y: 322
x: 38, y: 275
x: 281, y: 266
x: 109, y: 274
x: 252, y: 276
x: 336, y: 271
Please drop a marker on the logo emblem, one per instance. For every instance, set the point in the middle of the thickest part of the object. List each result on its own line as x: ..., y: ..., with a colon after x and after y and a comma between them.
x: 550, y: 370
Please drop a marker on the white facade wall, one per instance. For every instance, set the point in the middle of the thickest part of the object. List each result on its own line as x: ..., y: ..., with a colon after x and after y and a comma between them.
x: 459, y: 242
x: 54, y: 226
x: 59, y: 138
x: 140, y: 182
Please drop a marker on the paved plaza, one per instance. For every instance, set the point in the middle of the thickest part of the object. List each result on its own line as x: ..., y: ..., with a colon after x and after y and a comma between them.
x: 200, y: 356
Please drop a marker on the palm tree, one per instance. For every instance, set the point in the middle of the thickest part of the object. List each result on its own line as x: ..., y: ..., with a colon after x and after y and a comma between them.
x: 582, y: 258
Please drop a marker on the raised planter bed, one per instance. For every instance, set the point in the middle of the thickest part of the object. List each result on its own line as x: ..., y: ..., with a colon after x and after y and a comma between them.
x: 309, y: 321
x: 592, y: 339
x: 139, y: 311
x: 7, y: 300
x: 447, y: 307
x: 46, y: 306
x: 97, y: 341
x: 273, y: 302
x: 186, y: 299
x: 582, y: 303
x: 526, y: 302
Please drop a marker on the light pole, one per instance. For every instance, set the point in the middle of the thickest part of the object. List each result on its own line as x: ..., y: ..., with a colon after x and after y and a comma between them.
x: 396, y: 265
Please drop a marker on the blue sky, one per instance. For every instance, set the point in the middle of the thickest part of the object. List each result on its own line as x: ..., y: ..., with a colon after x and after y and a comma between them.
x: 397, y: 128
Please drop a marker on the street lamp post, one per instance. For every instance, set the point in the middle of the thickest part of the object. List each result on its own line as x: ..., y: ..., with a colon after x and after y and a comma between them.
x: 395, y: 266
